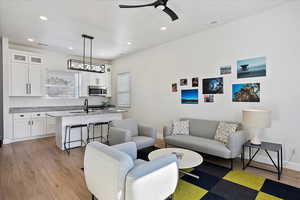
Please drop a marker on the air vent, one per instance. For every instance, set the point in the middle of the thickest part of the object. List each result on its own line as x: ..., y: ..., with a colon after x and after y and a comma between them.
x: 43, y: 44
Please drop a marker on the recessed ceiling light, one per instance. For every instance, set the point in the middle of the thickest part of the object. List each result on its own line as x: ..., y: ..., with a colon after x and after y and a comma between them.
x: 44, y: 18
x: 30, y: 40
x: 163, y: 28
x: 213, y: 22
x: 70, y: 48
x: 129, y: 43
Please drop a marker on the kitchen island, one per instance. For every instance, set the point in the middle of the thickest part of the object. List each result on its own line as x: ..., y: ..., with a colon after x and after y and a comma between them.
x: 66, y: 118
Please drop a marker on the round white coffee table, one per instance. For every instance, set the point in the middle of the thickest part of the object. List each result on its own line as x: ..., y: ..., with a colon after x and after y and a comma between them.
x: 186, y: 158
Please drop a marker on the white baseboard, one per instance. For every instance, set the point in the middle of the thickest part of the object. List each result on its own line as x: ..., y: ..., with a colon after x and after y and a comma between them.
x: 9, y: 141
x: 286, y: 164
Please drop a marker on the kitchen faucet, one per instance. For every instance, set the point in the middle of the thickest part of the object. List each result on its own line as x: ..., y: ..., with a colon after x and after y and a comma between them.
x: 86, y: 105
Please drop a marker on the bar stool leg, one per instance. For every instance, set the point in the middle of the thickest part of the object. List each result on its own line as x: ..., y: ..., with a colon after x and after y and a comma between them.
x: 88, y: 134
x: 101, y: 133
x: 93, y: 132
x: 69, y: 141
x: 65, y: 141
x: 81, y: 136
x: 108, y: 126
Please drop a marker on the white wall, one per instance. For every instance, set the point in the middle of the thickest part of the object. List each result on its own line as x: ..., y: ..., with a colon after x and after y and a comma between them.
x: 274, y: 34
x: 52, y: 61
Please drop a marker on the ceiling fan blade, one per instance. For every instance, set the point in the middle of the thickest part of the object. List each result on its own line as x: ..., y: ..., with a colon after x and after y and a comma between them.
x: 137, y: 6
x: 171, y: 13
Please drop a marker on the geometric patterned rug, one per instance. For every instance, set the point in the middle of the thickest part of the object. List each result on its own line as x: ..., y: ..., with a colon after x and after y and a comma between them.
x: 221, y: 183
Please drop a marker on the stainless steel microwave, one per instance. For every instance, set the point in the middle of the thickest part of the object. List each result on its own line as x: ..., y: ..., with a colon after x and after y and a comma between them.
x: 97, y: 91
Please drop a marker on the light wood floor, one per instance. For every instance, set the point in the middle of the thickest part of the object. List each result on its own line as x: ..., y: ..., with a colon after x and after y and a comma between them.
x: 38, y: 170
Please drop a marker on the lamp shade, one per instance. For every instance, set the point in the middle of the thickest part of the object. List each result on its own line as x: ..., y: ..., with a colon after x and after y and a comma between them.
x: 257, y: 118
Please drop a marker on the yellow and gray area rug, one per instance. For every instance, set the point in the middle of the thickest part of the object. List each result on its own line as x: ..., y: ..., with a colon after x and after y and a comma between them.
x: 220, y: 183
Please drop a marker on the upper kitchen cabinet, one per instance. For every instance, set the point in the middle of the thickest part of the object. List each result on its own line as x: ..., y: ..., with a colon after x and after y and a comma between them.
x: 102, y: 80
x: 25, y: 74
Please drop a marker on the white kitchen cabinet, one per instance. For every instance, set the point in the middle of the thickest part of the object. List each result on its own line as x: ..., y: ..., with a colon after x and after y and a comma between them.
x: 38, y: 126
x: 25, y: 74
x: 19, y: 79
x: 95, y: 79
x: 21, y: 128
x: 84, y: 80
x: 35, y: 87
x: 27, y: 125
x: 50, y: 125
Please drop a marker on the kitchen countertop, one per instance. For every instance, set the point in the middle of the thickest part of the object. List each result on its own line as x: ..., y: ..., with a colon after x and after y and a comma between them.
x: 46, y: 109
x: 76, y: 113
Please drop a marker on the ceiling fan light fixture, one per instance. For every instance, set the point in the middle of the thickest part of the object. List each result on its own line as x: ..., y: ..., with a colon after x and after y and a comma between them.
x: 161, y: 7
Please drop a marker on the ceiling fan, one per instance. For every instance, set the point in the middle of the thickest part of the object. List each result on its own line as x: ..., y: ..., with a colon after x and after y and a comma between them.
x: 160, y: 4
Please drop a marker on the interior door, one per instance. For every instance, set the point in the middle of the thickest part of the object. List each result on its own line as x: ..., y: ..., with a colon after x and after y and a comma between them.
x: 35, y: 79
x: 19, y: 79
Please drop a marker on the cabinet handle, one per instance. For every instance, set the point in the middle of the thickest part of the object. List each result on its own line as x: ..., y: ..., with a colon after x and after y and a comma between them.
x: 29, y: 122
x: 29, y: 88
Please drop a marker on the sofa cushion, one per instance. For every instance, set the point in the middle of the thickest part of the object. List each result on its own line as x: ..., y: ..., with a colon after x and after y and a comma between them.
x: 143, y: 142
x: 202, y: 128
x: 224, y: 130
x: 203, y: 145
x: 128, y: 124
x: 180, y: 127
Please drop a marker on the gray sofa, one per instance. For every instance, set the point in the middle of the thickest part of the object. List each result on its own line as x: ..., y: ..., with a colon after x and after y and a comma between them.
x: 201, y: 139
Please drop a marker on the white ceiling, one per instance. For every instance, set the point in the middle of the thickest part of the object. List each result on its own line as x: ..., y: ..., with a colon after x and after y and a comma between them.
x: 113, y: 27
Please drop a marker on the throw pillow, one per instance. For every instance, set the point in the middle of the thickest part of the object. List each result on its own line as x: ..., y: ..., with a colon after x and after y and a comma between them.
x: 225, y: 130
x: 181, y: 127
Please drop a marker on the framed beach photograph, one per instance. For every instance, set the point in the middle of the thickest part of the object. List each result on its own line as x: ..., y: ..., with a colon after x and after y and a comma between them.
x: 212, y: 85
x: 253, y: 67
x: 225, y: 70
x: 189, y: 96
x: 246, y: 92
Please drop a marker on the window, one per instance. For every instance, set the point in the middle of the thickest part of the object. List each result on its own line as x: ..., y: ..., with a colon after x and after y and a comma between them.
x: 123, y: 89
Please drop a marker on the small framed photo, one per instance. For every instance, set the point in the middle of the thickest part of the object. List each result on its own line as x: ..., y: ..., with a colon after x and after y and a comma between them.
x: 195, y: 82
x: 183, y: 82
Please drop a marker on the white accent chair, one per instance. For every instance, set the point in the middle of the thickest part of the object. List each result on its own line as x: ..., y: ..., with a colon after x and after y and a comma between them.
x: 115, y: 173
x: 128, y: 130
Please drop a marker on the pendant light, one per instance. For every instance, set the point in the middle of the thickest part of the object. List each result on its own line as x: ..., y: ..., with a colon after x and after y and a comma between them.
x: 86, y: 64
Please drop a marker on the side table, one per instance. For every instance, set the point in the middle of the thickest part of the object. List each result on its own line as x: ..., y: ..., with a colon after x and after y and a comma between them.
x: 265, y: 146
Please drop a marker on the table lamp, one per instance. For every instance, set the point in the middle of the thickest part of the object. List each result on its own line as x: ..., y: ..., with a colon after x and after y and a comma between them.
x: 256, y: 120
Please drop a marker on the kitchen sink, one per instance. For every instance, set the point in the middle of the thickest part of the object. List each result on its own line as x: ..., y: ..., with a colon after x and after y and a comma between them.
x: 82, y: 111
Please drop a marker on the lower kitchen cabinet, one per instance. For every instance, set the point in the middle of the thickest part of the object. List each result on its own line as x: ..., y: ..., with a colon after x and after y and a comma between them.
x: 27, y: 125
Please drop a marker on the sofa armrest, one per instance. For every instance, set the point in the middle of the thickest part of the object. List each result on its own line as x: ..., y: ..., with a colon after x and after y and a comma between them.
x: 156, y: 179
x: 147, y: 131
x: 118, y: 136
x: 235, y: 143
x: 128, y: 148
x: 167, y: 131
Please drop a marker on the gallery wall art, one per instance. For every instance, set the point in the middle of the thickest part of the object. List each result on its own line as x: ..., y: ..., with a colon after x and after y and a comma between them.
x: 183, y: 82
x: 209, y: 98
x: 225, y: 70
x: 195, y: 82
x: 246, y: 92
x: 189, y: 96
x: 253, y: 67
x: 213, y: 85
x: 174, y: 87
